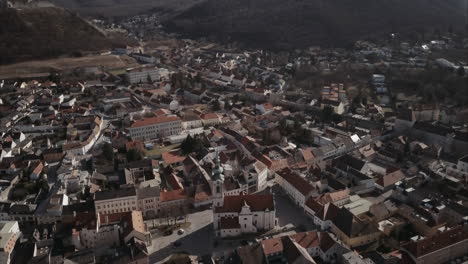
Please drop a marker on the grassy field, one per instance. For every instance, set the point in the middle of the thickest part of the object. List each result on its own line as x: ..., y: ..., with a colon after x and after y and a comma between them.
x: 157, y: 151
x: 109, y: 62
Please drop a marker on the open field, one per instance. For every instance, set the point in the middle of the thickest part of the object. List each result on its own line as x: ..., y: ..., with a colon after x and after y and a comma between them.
x: 24, y: 69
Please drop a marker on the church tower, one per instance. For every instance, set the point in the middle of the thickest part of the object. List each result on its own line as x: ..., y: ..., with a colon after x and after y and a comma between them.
x: 217, y: 183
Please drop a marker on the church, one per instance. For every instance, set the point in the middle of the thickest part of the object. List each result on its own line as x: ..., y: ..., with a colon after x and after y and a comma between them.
x: 235, y: 215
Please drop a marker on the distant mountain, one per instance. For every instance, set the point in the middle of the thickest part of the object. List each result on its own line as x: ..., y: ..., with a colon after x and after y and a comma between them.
x: 116, y: 8
x: 44, y: 32
x: 300, y: 23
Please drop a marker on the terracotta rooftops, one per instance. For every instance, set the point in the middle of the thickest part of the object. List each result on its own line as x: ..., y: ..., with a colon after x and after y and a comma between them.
x: 272, y: 246
x: 174, y: 195
x: 438, y: 241
x: 257, y: 203
x: 209, y: 116
x: 229, y: 223
x: 154, y: 120
x: 299, y: 183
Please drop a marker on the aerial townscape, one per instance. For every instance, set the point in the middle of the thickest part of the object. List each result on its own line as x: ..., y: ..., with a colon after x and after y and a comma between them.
x: 141, y: 144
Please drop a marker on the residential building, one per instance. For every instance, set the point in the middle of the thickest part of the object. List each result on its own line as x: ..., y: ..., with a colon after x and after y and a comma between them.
x: 155, y: 127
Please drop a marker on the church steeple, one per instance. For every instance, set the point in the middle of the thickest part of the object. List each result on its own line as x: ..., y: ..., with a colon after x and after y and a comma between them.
x: 217, y: 173
x: 217, y: 182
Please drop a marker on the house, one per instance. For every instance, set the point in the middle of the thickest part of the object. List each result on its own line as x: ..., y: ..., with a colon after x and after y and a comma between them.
x: 440, y: 248
x: 89, y: 232
x: 337, y: 106
x: 295, y: 186
x: 148, y: 201
x: 297, y: 248
x: 37, y: 170
x: 354, y: 231
x: 387, y: 181
x: 9, y: 234
x: 321, y: 214
x: 210, y: 119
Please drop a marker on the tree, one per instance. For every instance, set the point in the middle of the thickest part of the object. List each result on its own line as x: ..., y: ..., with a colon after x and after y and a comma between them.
x: 108, y: 151
x: 327, y: 114
x: 133, y: 155
x: 191, y: 144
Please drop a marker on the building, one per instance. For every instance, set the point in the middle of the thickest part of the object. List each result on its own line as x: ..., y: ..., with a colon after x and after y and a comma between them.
x: 155, y: 127
x: 115, y: 201
x: 295, y: 186
x: 240, y: 214
x: 210, y: 119
x: 9, y: 234
x: 440, y: 248
x: 142, y: 75
x: 243, y: 214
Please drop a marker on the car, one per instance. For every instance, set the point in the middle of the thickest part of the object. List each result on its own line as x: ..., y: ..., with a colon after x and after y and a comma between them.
x: 177, y: 244
x: 180, y: 231
x: 168, y: 233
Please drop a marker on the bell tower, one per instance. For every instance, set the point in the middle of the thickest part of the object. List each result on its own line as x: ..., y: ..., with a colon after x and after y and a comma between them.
x: 217, y: 183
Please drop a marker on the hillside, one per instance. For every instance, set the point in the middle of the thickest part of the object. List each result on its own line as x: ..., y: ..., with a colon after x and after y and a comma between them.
x: 116, y: 8
x: 300, y: 23
x: 36, y: 33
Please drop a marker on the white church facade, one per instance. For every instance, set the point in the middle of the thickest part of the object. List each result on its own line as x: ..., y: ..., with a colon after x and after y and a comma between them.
x: 240, y: 214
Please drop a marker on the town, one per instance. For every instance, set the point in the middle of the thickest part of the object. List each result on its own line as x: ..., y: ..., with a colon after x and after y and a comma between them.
x: 194, y: 151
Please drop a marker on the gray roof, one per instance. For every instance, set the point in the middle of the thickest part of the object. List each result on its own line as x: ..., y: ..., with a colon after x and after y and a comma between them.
x: 148, y: 192
x: 114, y: 194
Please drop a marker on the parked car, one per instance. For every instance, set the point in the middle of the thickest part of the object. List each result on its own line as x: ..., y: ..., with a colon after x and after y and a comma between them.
x: 180, y: 231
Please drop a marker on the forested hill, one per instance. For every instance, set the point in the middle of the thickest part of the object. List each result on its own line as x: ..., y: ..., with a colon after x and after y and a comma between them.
x: 299, y: 23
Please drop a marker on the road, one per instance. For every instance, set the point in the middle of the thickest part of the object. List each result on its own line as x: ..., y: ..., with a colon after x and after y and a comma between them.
x: 198, y: 239
x: 289, y: 213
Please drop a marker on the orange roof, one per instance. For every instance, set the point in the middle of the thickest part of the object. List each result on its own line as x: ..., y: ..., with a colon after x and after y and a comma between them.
x: 299, y: 183
x: 209, y: 116
x: 154, y: 120
x: 272, y: 246
x: 257, y: 203
x: 171, y: 157
x: 166, y: 196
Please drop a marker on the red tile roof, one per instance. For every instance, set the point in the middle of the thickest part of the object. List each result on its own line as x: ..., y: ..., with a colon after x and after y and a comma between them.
x: 154, y: 120
x: 438, y: 241
x: 259, y: 202
x: 174, y: 195
x: 229, y: 223
x: 171, y: 157
x: 209, y: 116
x: 272, y: 246
x: 301, y: 184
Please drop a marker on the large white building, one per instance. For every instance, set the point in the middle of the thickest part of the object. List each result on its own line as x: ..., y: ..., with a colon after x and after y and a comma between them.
x: 142, y: 75
x: 155, y: 127
x: 120, y: 201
